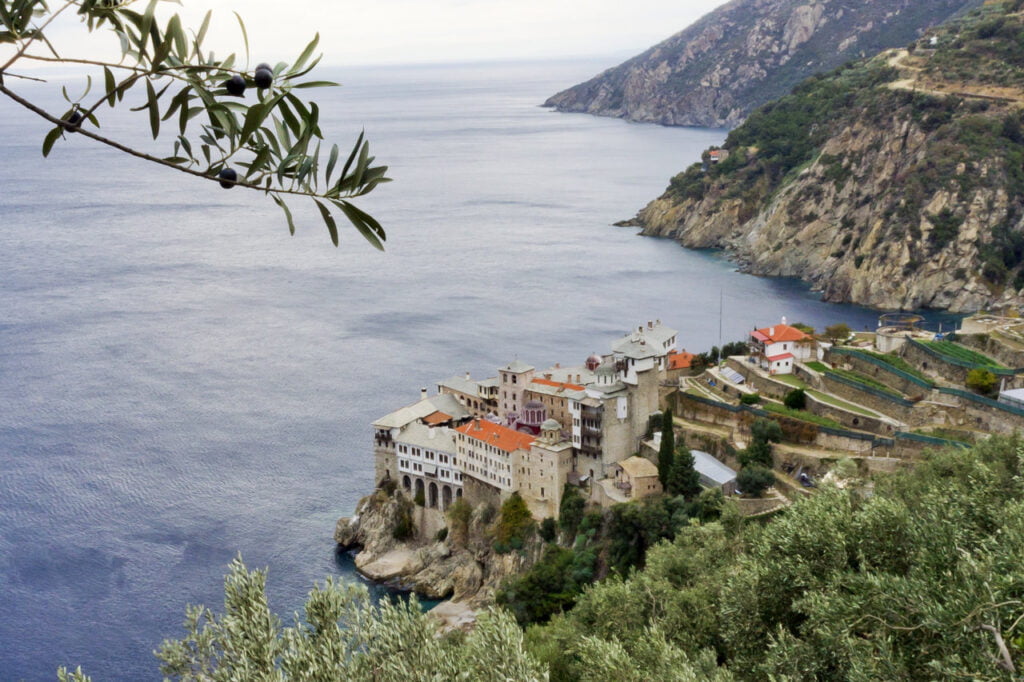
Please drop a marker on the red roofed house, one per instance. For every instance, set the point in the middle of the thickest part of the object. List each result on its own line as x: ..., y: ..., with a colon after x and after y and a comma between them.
x: 779, y: 347
x: 679, y: 364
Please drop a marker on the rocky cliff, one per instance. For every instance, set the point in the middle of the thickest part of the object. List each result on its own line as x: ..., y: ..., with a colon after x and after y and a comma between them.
x: 746, y: 53
x: 896, y: 183
x: 463, y: 567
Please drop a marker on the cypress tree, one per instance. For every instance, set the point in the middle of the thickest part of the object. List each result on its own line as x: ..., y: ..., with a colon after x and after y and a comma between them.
x: 683, y: 478
x: 667, y: 451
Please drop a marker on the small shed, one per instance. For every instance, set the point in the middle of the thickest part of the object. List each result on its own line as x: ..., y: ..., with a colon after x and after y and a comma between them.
x: 637, y: 477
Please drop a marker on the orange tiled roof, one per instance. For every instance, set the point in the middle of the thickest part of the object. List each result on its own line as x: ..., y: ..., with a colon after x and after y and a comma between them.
x: 780, y: 332
x: 435, y: 418
x: 499, y: 436
x: 559, y: 385
x: 681, y: 360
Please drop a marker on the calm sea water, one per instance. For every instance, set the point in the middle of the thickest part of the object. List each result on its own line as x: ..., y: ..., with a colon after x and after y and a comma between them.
x: 181, y: 381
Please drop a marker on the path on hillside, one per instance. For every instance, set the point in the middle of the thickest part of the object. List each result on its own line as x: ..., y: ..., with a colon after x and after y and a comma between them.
x: 915, y: 83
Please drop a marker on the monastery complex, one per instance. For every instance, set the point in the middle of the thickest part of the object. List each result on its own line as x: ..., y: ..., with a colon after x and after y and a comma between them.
x: 532, y: 431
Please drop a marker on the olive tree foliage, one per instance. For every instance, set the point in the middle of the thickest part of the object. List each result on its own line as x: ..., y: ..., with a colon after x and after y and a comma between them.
x: 225, y: 122
x: 919, y: 579
x: 342, y: 635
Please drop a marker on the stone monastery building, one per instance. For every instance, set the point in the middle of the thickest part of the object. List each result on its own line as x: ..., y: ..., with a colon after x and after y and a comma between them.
x: 525, y: 430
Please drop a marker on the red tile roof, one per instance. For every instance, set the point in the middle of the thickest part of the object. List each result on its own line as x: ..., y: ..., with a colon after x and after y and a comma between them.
x: 559, y: 385
x: 779, y: 332
x: 499, y: 436
x: 780, y: 356
x: 435, y: 418
x: 681, y: 360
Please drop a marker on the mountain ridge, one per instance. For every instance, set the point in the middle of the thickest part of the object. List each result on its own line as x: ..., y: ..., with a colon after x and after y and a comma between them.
x: 746, y: 53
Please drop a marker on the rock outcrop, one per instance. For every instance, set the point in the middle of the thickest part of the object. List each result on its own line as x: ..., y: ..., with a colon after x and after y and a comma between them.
x: 896, y: 183
x: 746, y: 53
x: 462, y: 568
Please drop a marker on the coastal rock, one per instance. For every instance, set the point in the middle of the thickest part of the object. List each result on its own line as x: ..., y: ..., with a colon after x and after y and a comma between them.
x: 746, y: 53
x: 844, y: 246
x: 463, y: 568
x: 892, y: 183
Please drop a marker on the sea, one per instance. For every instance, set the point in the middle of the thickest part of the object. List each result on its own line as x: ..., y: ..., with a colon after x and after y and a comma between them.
x: 183, y: 383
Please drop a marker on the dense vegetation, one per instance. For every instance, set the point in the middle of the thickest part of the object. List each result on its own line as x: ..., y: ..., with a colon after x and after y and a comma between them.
x: 918, y: 578
x: 921, y: 580
x: 599, y: 543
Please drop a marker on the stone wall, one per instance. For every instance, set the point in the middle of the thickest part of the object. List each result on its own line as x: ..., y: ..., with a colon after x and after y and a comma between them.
x: 892, y: 408
x: 476, y: 493
x: 993, y: 346
x: 850, y: 420
x: 740, y: 422
x: 895, y: 381
x: 934, y: 366
x: 808, y: 375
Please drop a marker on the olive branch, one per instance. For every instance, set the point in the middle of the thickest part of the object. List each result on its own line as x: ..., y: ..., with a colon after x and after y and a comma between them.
x: 273, y: 144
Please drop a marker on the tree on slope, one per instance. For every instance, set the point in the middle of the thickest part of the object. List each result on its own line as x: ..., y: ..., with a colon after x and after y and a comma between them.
x: 228, y: 123
x: 667, y: 450
x: 342, y: 635
x: 683, y: 478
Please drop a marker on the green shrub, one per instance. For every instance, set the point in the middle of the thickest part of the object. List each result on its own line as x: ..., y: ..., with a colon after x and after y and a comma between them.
x: 420, y: 499
x: 750, y: 398
x: 755, y: 479
x: 548, y: 529
x: 515, y: 524
x: 982, y: 381
x: 405, y: 528
x: 795, y: 399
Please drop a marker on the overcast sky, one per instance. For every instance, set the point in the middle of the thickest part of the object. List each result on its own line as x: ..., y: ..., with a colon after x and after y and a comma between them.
x: 423, y: 31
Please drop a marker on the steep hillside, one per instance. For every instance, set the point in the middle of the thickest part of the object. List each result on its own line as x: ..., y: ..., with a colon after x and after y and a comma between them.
x: 896, y: 183
x: 747, y: 53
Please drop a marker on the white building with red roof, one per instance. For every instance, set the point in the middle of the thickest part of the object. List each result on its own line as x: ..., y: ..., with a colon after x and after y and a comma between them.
x: 491, y: 453
x: 779, y: 347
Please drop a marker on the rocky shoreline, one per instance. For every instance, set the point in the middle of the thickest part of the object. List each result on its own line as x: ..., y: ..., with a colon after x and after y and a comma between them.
x: 457, y: 565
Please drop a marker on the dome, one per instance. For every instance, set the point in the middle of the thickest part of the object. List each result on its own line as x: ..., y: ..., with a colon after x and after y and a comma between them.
x: 551, y: 425
x: 594, y: 361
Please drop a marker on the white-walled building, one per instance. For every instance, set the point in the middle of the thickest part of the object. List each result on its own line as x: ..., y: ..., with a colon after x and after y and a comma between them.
x: 427, y: 463
x: 780, y: 347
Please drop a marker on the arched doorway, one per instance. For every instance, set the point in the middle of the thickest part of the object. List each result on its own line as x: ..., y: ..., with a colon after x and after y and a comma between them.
x: 419, y: 489
x: 446, y: 497
x: 406, y: 483
x: 458, y: 494
x: 432, y: 499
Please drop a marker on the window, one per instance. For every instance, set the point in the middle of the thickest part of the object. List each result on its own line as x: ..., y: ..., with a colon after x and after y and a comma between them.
x: 514, y: 379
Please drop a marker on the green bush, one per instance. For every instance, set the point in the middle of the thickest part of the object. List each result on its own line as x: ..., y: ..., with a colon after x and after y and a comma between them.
x: 420, y: 499
x: 795, y: 399
x: 548, y: 530
x: 515, y: 524
x: 405, y: 528
x: 755, y: 479
x: 570, y: 511
x: 750, y: 398
x: 982, y: 381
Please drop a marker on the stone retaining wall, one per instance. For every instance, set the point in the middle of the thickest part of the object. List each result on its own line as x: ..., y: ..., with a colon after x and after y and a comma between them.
x: 869, y: 400
x: 904, y: 386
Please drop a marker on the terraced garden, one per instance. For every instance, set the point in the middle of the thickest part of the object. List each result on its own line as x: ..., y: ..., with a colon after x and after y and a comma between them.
x: 840, y: 403
x: 859, y: 378
x: 900, y: 364
x: 801, y: 415
x: 962, y: 353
